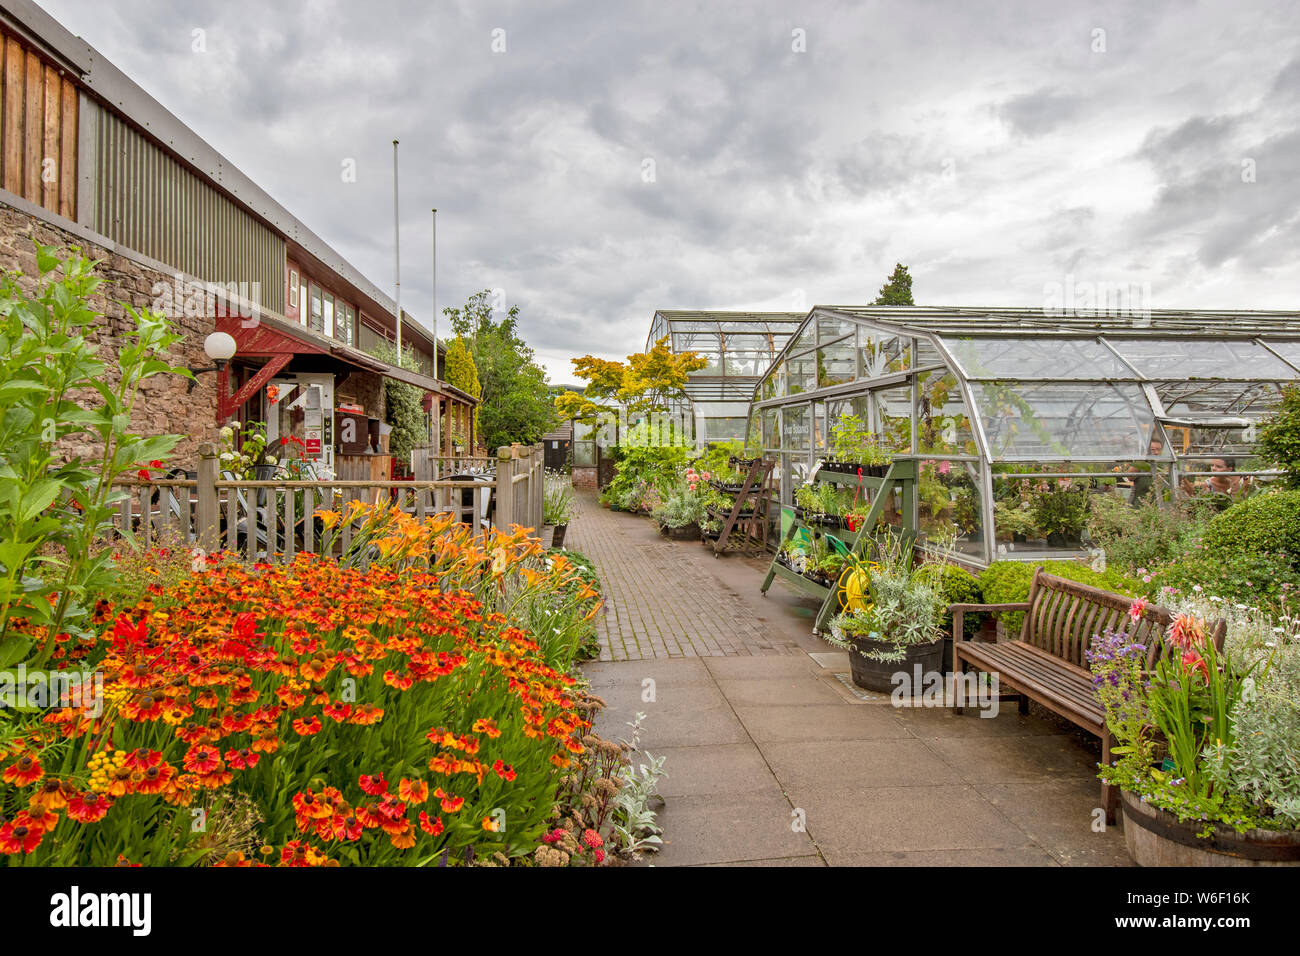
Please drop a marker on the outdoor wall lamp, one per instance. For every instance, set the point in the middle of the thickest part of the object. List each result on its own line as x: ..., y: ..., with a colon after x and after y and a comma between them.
x: 220, y: 347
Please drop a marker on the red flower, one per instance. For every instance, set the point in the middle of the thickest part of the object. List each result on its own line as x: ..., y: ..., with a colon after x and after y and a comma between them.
x: 202, y: 759
x: 23, y: 771
x: 306, y: 728
x: 374, y: 784
x: 433, y: 828
x: 592, y: 838
x: 88, y: 807
x: 22, y: 835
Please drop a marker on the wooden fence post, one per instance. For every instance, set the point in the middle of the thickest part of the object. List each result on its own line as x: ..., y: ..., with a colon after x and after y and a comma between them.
x: 505, y: 490
x: 209, y: 514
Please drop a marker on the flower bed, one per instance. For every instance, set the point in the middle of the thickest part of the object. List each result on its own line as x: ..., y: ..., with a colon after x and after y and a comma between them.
x: 319, y: 714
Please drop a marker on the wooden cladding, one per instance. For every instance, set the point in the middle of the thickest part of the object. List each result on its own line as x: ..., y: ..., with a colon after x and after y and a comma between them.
x: 38, y: 154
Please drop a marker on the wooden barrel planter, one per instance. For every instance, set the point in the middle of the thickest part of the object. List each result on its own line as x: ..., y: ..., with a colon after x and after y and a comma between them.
x: 874, y: 675
x: 1155, y: 837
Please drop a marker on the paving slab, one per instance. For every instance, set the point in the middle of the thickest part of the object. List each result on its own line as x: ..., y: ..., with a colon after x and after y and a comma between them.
x: 777, y: 722
x: 1061, y: 816
x: 807, y: 690
x: 715, y: 769
x: 980, y: 856
x: 937, y: 817
x: 729, y: 828
x: 1028, y: 759
x: 855, y: 764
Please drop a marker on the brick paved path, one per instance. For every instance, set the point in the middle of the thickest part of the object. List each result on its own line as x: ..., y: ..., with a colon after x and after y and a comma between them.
x: 666, y: 598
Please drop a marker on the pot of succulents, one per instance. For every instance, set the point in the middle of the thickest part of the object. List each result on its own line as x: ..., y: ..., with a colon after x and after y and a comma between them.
x: 899, y: 630
x: 1207, y: 746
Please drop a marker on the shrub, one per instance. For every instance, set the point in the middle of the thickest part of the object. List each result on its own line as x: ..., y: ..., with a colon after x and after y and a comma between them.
x: 1008, y: 582
x: 1263, y: 524
x: 1279, y: 436
x: 1142, y: 535
x: 1248, y: 577
x: 956, y: 585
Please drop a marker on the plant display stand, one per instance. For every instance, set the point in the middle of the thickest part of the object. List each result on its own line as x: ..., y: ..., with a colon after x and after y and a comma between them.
x: 744, y: 528
x: 901, y: 476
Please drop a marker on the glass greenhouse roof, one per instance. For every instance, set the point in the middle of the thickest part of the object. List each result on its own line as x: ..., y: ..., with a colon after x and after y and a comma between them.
x: 1042, y: 387
x: 738, y: 347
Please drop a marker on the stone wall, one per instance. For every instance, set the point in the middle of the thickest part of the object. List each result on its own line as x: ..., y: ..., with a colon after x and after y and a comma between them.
x: 164, y: 405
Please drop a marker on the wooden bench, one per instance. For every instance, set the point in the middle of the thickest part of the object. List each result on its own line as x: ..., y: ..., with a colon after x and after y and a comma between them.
x: 1047, y: 664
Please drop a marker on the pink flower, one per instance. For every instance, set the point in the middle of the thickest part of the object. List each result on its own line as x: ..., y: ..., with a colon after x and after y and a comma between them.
x: 1137, y: 609
x: 600, y: 856
x: 592, y: 838
x: 945, y: 467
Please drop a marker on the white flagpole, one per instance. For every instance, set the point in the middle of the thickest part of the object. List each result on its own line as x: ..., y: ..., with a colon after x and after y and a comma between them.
x: 397, y: 258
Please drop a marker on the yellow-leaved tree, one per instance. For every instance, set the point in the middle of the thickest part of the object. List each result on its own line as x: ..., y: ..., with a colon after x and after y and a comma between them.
x: 646, y: 382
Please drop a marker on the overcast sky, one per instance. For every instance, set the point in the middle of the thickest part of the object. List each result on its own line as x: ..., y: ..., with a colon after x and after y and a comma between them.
x: 798, y: 149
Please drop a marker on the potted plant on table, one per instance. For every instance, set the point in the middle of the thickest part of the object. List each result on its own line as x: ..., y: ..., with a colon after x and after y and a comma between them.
x: 853, y: 446
x: 899, y: 629
x: 1209, y: 774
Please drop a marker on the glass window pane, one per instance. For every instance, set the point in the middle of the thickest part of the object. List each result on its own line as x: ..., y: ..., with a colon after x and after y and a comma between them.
x: 1181, y: 359
x: 315, y: 322
x: 327, y: 325
x: 797, y: 427
x: 892, y: 417
x: 880, y: 353
x: 806, y: 340
x: 944, y: 424
x: 950, y: 502
x: 819, y: 426
x: 1288, y: 350
x: 1056, y: 421
x: 1035, y: 358
x: 836, y: 364
x: 830, y: 328
x: 771, y: 428
x: 801, y: 374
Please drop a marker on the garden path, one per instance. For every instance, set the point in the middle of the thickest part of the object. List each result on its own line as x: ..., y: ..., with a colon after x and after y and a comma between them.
x: 773, y: 758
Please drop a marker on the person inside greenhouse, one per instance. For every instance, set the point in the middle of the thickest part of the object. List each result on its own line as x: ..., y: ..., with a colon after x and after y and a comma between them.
x: 1142, y: 475
x: 1221, y: 480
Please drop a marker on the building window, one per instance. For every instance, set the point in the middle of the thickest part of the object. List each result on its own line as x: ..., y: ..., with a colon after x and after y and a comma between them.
x: 302, y: 299
x: 328, y: 327
x: 345, y: 318
x: 316, y: 319
x: 293, y: 288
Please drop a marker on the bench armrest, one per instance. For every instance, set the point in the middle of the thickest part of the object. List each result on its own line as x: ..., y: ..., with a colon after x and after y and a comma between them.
x: 958, y: 612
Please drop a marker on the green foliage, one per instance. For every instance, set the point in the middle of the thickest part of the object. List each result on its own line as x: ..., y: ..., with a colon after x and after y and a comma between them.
x: 956, y: 585
x: 53, y: 388
x: 557, y: 498
x: 1279, y: 436
x: 643, y: 471
x: 1263, y: 762
x: 681, y: 507
x: 1267, y: 523
x: 898, y: 290
x: 1143, y: 535
x: 1007, y: 582
x: 461, y: 372
x: 1061, y: 510
x: 516, y: 405
x: 403, y: 403
x: 1246, y: 577
x: 853, y: 441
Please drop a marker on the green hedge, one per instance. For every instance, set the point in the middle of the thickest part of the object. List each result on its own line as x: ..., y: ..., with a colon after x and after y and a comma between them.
x: 1007, y: 582
x: 1264, y: 524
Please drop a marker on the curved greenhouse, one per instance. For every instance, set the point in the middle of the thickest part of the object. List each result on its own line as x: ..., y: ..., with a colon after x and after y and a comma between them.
x: 1022, y: 417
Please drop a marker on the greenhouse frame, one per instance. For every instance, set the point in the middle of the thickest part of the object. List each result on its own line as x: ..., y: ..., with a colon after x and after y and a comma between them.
x: 1011, y: 408
x: 739, y: 348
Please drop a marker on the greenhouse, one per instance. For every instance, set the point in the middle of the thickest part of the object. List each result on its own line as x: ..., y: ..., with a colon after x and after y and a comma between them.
x: 1022, y: 418
x: 738, y: 348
